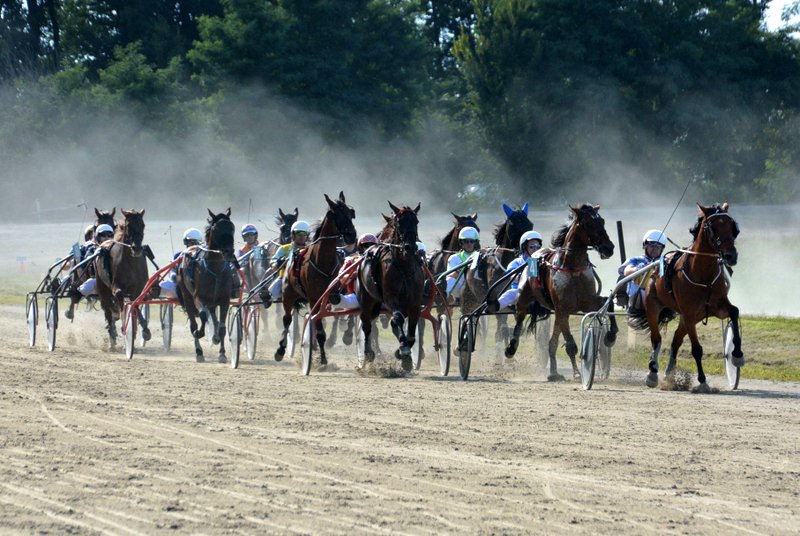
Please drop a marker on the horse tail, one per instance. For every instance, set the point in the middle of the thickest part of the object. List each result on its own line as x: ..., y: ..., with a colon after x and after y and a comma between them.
x: 637, y: 318
x: 536, y: 312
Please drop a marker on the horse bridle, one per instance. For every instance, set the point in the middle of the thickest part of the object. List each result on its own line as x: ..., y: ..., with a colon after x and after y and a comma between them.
x: 714, y: 239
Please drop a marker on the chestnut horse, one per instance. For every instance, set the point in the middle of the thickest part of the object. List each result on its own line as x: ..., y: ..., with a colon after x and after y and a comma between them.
x: 121, y: 270
x: 393, y: 277
x: 566, y: 283
x: 698, y: 290
x: 205, y: 280
x: 308, y: 277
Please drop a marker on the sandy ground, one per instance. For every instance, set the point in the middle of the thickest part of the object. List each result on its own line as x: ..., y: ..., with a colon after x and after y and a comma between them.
x: 92, y: 443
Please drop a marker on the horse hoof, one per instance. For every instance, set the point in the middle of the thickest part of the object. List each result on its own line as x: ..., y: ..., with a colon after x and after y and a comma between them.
x: 556, y: 378
x: 347, y: 338
x: 610, y: 338
x: 69, y: 314
x: 215, y: 339
x: 737, y: 361
x: 511, y: 349
x: 652, y: 379
x: 146, y: 334
x: 329, y: 343
x: 702, y: 389
x: 199, y: 334
x: 407, y: 364
x: 323, y: 361
x: 222, y: 358
x: 199, y: 357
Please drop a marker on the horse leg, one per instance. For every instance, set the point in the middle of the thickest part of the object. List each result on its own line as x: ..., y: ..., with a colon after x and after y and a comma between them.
x: 287, y: 321
x: 553, y: 347
x: 347, y: 336
x: 110, y: 322
x: 407, y: 364
x: 501, y: 335
x: 323, y: 359
x: 523, y: 300
x: 398, y: 321
x: 611, y: 334
x: 334, y: 331
x: 143, y: 323
x: 737, y: 356
x: 653, y: 311
x: 222, y: 330
x: 366, y: 327
x: 697, y: 354
x: 570, y: 346
x: 677, y: 340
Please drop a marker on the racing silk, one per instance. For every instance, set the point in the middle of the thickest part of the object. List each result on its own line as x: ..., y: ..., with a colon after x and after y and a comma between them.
x: 634, y: 286
x: 513, y: 265
x: 348, y: 285
x: 246, y: 248
x: 456, y: 280
x: 286, y: 251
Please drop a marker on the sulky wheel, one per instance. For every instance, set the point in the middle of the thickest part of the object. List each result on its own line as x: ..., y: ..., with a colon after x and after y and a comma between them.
x: 466, y: 347
x: 235, y: 334
x: 32, y: 316
x: 443, y: 338
x: 293, y: 335
x: 360, y: 344
x: 731, y: 370
x: 166, y: 315
x: 307, y: 344
x: 51, y: 319
x: 589, y: 352
x: 130, y: 319
x: 145, y: 312
x: 416, y: 352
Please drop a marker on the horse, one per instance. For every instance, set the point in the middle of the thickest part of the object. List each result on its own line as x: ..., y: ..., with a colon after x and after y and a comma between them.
x: 315, y: 268
x: 205, y: 280
x: 695, y: 288
x: 121, y: 271
x: 565, y: 283
x: 449, y: 243
x: 393, y: 277
x: 491, y: 264
x: 79, y: 277
x: 257, y: 265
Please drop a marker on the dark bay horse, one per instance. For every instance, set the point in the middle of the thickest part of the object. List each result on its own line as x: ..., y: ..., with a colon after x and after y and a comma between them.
x: 695, y: 287
x: 394, y: 278
x: 309, y: 275
x: 566, y: 283
x: 81, y: 275
x: 121, y: 271
x: 449, y: 244
x: 492, y: 262
x: 258, y: 264
x: 205, y: 280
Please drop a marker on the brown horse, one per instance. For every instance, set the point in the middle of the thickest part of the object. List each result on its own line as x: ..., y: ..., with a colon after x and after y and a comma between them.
x: 449, y: 244
x: 205, y: 280
x: 80, y: 276
x: 257, y: 264
x: 394, y: 278
x: 121, y: 270
x: 698, y: 290
x: 566, y: 283
x: 492, y: 262
x: 308, y: 277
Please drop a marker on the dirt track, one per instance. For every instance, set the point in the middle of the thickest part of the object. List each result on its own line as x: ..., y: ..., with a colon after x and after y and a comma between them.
x: 92, y: 443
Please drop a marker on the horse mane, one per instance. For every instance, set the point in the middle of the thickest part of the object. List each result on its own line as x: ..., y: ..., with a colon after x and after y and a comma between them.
x: 448, y: 238
x: 558, y: 238
x: 120, y: 230
x: 316, y: 229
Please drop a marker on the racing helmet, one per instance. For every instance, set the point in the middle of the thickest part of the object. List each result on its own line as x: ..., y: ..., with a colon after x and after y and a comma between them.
x: 300, y: 226
x: 88, y: 233
x: 249, y: 229
x: 468, y: 233
x: 530, y: 235
x: 654, y: 235
x: 192, y: 234
x: 367, y: 238
x: 421, y: 247
x: 103, y: 229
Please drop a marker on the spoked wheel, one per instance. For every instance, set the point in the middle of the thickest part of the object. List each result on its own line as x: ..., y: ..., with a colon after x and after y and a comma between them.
x: 130, y: 319
x: 466, y: 346
x: 32, y: 316
x: 306, y: 346
x: 293, y: 336
x: 731, y: 370
x: 166, y: 313
x: 235, y: 334
x: 416, y: 349
x: 589, y: 351
x: 443, y: 338
x: 604, y: 354
x: 251, y: 333
x: 51, y: 318
x: 146, y: 314
x: 542, y: 335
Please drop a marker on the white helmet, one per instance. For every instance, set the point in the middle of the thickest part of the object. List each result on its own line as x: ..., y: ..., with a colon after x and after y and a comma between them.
x: 468, y: 233
x: 105, y: 228
x: 421, y: 247
x: 300, y: 226
x: 192, y: 234
x: 530, y: 235
x: 654, y: 235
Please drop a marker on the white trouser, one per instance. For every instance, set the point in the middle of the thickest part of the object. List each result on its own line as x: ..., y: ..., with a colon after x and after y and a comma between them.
x: 168, y: 289
x: 349, y: 301
x: 455, y: 286
x: 89, y: 287
x: 276, y: 288
x: 508, y: 297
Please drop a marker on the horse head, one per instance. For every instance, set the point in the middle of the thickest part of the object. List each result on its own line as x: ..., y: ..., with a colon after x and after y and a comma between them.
x: 342, y: 217
x: 285, y: 222
x: 591, y: 228
x: 105, y: 217
x: 508, y: 233
x: 405, y: 227
x: 219, y: 233
x: 450, y: 241
x: 131, y: 231
x: 719, y: 231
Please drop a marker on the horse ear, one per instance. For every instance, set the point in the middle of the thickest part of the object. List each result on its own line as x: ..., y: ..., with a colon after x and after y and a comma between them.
x: 280, y: 213
x: 508, y: 210
x: 330, y: 203
x: 703, y: 210
x: 141, y: 212
x: 724, y: 206
x: 296, y: 212
x: 419, y: 205
x: 455, y: 216
x: 525, y: 208
x: 341, y: 196
x: 210, y: 214
x: 387, y: 218
x: 97, y: 212
x: 125, y: 212
x: 113, y: 211
x: 474, y: 216
x: 573, y: 209
x: 394, y: 208
x: 596, y: 207
x: 228, y: 212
